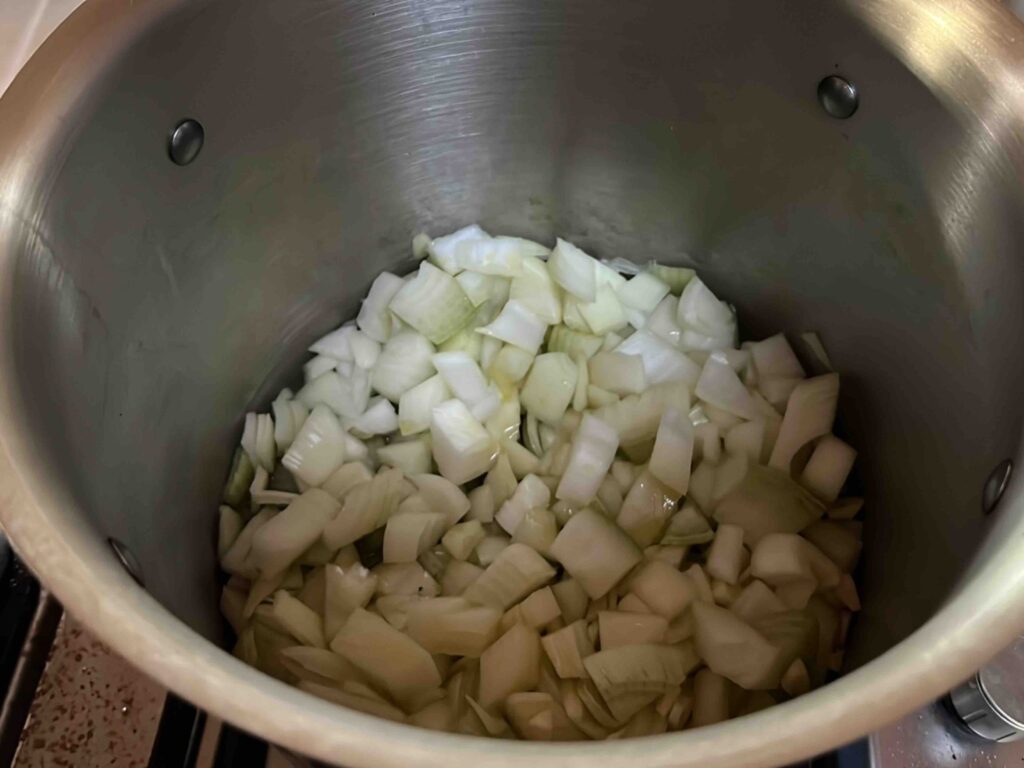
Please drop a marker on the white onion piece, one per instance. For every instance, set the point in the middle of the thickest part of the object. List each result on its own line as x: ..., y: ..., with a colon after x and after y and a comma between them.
x: 573, y: 343
x: 433, y: 303
x: 809, y: 414
x: 595, y: 552
x: 379, y: 418
x: 643, y: 292
x: 662, y: 321
x: 774, y: 359
x: 374, y: 318
x: 662, y: 362
x: 676, y: 278
x: 531, y: 492
x: 719, y: 385
x: 500, y: 255
x: 593, y: 450
x: 411, y: 456
x: 318, y: 448
x: 417, y: 404
x: 289, y: 416
x: 335, y: 344
x: 444, y: 250
x: 345, y: 395
x: 404, y: 362
x: 510, y: 365
x: 618, y: 372
x: 467, y: 382
x: 460, y: 540
x: 318, y: 366
x: 549, y: 387
x: 767, y: 501
x: 477, y: 287
x: 461, y: 446
x: 700, y: 310
x: 517, y: 325
x: 828, y: 468
x: 444, y: 496
x: 366, y: 507
x: 535, y: 290
x: 605, y: 313
x: 574, y: 270
x: 673, y: 451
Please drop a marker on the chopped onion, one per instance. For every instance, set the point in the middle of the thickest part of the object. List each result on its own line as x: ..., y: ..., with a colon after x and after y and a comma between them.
x: 388, y: 657
x: 452, y: 626
x: 549, y: 387
x: 593, y: 450
x: 809, y: 414
x: 374, y: 318
x: 379, y: 418
x: 536, y: 291
x: 643, y: 292
x: 462, y: 447
x: 618, y: 629
x: 410, y: 456
x: 407, y: 536
x: 318, y: 448
x: 662, y: 362
x: 673, y: 451
x: 278, y: 543
x: 444, y: 250
x: 667, y: 591
x: 517, y: 325
x: 618, y: 372
x: 595, y: 552
x: 516, y: 572
x: 404, y: 362
x: 573, y: 343
x: 676, y: 278
x: 767, y: 501
x: 574, y: 270
x: 566, y: 649
x: 732, y: 648
x: 462, y: 539
x: 720, y: 386
x: 727, y: 556
x: 605, y: 313
x: 511, y: 664
x: 529, y: 494
x: 646, y: 509
x: 416, y: 405
x: 774, y: 359
x: 433, y: 303
x: 828, y: 468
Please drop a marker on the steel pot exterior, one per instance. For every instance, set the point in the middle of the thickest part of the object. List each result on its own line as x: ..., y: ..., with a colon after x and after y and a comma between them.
x: 67, y: 147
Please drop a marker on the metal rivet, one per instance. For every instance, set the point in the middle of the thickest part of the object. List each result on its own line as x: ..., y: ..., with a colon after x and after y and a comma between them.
x: 185, y: 141
x: 127, y: 560
x: 838, y: 96
x: 996, y: 485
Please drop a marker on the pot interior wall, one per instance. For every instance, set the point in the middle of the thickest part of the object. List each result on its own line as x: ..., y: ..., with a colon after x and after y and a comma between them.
x: 156, y: 303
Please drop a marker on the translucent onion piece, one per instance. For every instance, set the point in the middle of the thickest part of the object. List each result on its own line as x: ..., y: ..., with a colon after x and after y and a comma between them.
x: 774, y: 359
x: 531, y: 492
x: 785, y: 558
x: 379, y: 418
x: 511, y: 664
x: 618, y: 628
x: 452, y: 626
x: 768, y: 501
x: 279, y: 543
x: 416, y: 405
x: 595, y: 552
x: 618, y: 372
x: 639, y: 669
x: 516, y: 572
x: 407, y: 536
x: 673, y: 451
x: 727, y: 557
x: 388, y: 657
x: 676, y: 278
x: 667, y: 591
x: 809, y: 414
x: 443, y: 496
x: 828, y: 468
x: 646, y: 509
x: 566, y: 649
x: 549, y: 387
x: 573, y: 343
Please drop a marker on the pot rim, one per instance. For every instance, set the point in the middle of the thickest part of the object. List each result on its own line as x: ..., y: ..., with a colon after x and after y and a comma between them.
x: 72, y: 561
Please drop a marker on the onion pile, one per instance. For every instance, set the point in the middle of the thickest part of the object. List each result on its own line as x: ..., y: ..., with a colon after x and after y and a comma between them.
x: 531, y: 494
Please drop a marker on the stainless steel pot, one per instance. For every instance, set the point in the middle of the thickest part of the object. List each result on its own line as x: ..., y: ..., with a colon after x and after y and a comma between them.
x: 145, y: 305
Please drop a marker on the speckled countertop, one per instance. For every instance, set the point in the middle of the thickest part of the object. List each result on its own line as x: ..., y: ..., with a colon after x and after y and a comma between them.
x: 91, y: 708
